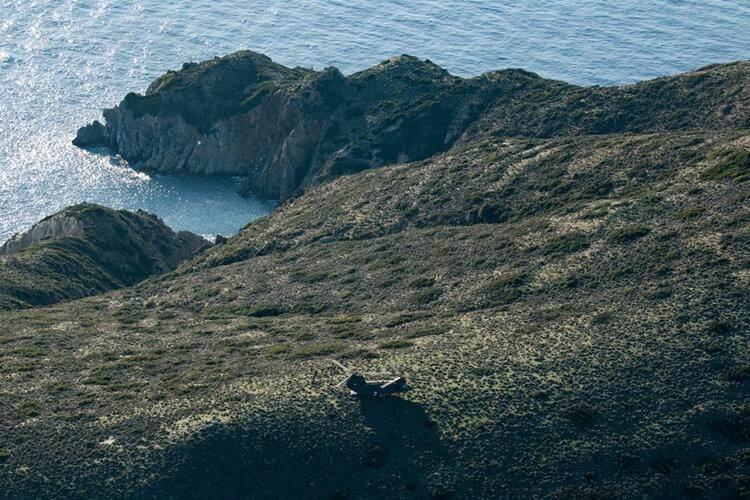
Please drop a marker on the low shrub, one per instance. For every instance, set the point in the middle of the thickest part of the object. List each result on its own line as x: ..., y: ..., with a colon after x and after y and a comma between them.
x: 505, y: 288
x: 739, y: 373
x: 601, y: 318
x: 426, y: 295
x: 660, y: 293
x: 311, y: 276
x: 422, y: 283
x: 277, y: 349
x: 629, y: 233
x: 568, y: 243
x: 395, y: 344
x: 732, y: 165
x: 582, y: 415
x: 263, y: 311
x: 313, y: 350
x: 690, y: 212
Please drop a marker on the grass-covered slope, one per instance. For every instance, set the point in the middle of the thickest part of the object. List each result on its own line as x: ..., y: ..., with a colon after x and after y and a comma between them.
x: 572, y: 314
x: 88, y: 249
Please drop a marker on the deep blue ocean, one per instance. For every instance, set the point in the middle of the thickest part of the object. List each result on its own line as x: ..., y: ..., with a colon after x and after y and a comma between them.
x: 61, y: 61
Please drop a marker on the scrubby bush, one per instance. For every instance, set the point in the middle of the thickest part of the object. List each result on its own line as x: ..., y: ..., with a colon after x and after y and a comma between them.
x: 425, y: 331
x: 601, y: 318
x: 263, y: 311
x: 395, y: 344
x: 733, y: 425
x: 426, y: 295
x: 739, y: 373
x: 492, y: 213
x: 311, y: 276
x: 277, y: 349
x: 343, y: 319
x: 733, y: 165
x: 422, y: 282
x: 582, y: 415
x: 629, y: 233
x: 313, y: 350
x: 660, y: 293
x: 719, y: 327
x: 690, y: 212
x: 568, y: 243
x: 505, y: 288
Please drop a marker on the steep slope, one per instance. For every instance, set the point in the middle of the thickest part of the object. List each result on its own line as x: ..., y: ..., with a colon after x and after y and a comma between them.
x: 88, y: 249
x: 285, y: 129
x: 572, y: 313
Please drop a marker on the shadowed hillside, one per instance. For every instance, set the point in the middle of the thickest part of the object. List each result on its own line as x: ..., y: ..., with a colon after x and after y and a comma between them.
x: 572, y: 313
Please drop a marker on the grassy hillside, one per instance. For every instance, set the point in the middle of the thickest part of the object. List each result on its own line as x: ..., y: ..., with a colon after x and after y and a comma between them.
x: 572, y: 313
x: 107, y: 249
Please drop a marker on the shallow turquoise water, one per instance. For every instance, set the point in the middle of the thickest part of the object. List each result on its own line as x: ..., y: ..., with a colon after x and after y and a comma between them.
x: 61, y: 61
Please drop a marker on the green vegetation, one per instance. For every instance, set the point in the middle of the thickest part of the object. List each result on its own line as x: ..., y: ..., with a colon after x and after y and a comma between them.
x: 422, y: 283
x: 504, y: 288
x: 316, y: 350
x: 593, y: 321
x: 262, y: 311
x: 690, y: 213
x: 602, y: 318
x: 395, y: 344
x: 107, y: 249
x: 427, y: 295
x: 732, y: 165
x: 739, y: 373
x: 568, y: 243
x: 629, y: 233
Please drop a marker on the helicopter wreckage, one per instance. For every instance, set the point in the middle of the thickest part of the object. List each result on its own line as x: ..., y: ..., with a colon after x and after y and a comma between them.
x: 359, y: 386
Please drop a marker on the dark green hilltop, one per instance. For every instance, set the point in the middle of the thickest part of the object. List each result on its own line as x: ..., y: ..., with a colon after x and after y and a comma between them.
x: 88, y: 249
x: 562, y: 274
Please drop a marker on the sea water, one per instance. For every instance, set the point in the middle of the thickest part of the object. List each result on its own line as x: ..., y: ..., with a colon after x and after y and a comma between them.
x: 61, y: 61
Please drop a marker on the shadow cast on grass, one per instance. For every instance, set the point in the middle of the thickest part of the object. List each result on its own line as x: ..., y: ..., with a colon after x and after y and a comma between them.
x: 384, y: 448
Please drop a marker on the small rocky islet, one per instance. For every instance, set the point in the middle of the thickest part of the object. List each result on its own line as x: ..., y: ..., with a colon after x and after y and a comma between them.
x: 563, y: 273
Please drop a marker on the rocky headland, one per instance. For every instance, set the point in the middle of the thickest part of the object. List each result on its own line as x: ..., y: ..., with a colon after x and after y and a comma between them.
x: 283, y: 129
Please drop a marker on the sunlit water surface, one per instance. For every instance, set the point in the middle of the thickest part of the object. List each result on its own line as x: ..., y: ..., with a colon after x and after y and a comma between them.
x: 61, y: 61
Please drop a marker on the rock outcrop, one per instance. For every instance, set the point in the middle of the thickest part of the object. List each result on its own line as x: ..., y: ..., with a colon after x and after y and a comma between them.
x: 284, y: 129
x: 52, y: 228
x: 88, y: 249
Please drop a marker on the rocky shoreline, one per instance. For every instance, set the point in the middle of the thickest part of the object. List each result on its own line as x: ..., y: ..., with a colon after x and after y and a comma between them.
x: 285, y: 129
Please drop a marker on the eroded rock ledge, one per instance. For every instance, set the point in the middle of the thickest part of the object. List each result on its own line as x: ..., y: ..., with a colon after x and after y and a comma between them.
x: 283, y: 129
x: 52, y: 228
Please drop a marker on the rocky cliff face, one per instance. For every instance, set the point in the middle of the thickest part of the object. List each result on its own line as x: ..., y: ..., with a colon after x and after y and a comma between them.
x: 283, y: 129
x: 88, y: 249
x: 52, y: 228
